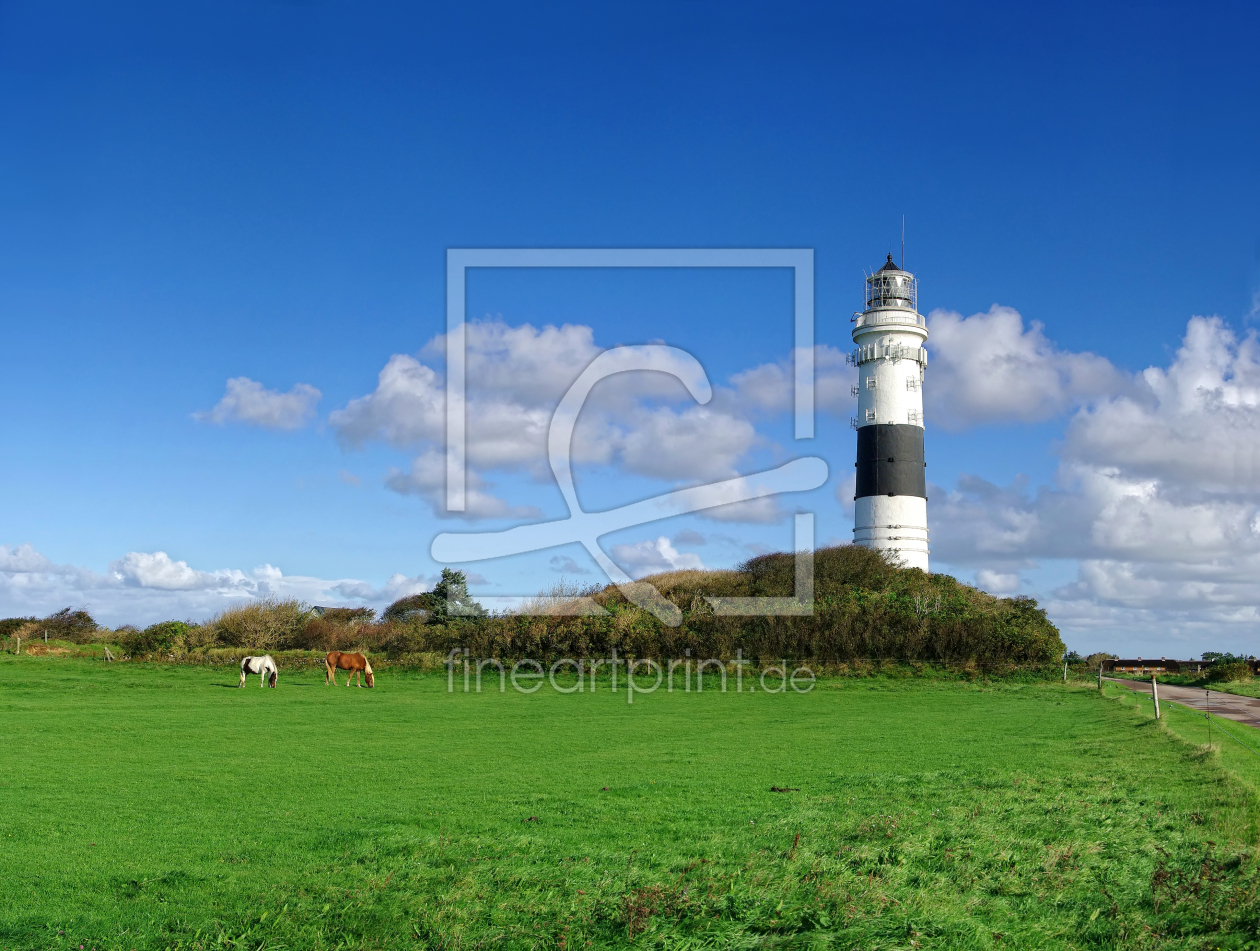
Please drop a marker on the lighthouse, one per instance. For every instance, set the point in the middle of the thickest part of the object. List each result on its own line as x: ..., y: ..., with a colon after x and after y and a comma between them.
x: 890, y: 510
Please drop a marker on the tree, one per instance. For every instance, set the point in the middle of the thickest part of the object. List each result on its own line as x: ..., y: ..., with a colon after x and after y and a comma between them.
x: 449, y: 599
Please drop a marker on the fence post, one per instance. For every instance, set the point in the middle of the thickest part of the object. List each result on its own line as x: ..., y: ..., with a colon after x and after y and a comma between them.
x: 1155, y: 694
x: 1100, y: 676
x: 1065, y: 671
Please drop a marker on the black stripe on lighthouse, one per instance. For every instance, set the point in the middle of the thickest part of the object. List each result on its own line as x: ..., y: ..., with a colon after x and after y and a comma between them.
x: 890, y: 461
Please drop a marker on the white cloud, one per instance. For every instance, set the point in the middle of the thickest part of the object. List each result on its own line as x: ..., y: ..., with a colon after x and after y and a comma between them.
x: 644, y: 558
x: 1195, y: 424
x: 997, y: 582
x: 23, y: 558
x: 515, y: 377
x: 769, y: 387
x: 248, y: 401
x: 398, y: 586
x: 427, y: 479
x: 1157, y: 500
x: 987, y: 368
x: 144, y: 587
x: 159, y: 570
x: 693, y: 444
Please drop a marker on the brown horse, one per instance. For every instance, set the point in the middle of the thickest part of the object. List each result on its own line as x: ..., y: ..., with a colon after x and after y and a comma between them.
x: 357, y: 664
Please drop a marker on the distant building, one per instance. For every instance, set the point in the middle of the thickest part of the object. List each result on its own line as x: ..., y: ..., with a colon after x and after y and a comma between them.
x: 1129, y: 665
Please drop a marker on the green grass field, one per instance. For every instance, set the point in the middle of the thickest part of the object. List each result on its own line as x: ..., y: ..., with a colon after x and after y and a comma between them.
x: 150, y: 807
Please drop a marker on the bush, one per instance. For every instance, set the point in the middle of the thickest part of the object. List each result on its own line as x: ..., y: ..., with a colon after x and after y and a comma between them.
x: 70, y: 625
x: 156, y: 638
x: 1228, y: 671
x: 11, y: 625
x: 264, y: 625
x: 348, y: 615
x: 415, y: 607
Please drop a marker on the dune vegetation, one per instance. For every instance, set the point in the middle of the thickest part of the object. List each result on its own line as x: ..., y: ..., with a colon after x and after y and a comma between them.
x: 866, y: 611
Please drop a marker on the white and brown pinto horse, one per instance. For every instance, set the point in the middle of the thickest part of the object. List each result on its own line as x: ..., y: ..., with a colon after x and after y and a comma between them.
x: 357, y: 664
x: 264, y: 667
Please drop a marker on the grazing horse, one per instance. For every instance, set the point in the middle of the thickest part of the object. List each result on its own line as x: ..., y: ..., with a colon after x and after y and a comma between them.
x: 264, y: 667
x: 357, y: 664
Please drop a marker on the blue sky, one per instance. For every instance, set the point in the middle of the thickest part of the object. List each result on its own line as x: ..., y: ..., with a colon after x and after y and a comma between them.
x: 204, y: 192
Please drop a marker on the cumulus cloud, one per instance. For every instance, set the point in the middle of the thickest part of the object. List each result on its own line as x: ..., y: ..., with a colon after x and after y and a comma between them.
x: 143, y: 587
x: 644, y: 558
x: 1196, y: 423
x: 997, y: 582
x: 23, y: 559
x: 770, y: 388
x: 248, y: 401
x: 642, y: 422
x: 1156, y: 499
x: 158, y: 570
x: 989, y: 368
x: 427, y: 479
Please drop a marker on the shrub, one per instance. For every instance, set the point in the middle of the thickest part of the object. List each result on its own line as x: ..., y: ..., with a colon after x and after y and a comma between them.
x: 156, y: 638
x: 415, y: 607
x: 70, y: 625
x: 349, y: 615
x: 1227, y: 671
x: 263, y: 625
x: 11, y: 625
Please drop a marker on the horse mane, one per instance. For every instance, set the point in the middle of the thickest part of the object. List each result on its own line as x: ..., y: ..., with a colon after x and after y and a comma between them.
x: 367, y: 667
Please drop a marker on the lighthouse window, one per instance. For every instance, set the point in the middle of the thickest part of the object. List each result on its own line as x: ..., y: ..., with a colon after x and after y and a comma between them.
x: 912, y: 383
x: 870, y: 415
x: 870, y: 383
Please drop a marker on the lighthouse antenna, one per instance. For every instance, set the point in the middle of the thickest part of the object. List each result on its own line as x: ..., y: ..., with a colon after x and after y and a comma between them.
x: 903, y: 242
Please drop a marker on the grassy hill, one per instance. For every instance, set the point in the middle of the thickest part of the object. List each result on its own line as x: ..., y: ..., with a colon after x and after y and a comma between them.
x: 864, y: 609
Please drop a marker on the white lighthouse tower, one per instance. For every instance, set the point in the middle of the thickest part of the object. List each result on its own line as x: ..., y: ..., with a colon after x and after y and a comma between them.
x: 891, y: 501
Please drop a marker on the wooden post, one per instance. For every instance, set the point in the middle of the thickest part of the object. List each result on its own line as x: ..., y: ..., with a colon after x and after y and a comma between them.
x: 1155, y: 694
x: 1100, y: 676
x: 1065, y: 671
x: 19, y: 644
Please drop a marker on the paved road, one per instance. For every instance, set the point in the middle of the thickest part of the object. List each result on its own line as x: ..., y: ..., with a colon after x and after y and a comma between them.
x: 1242, y: 709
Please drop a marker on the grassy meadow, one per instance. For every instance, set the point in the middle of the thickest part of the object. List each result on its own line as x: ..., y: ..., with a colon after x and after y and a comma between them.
x: 144, y: 806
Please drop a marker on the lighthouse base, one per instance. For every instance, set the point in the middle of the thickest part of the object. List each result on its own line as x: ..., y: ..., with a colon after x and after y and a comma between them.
x: 893, y: 522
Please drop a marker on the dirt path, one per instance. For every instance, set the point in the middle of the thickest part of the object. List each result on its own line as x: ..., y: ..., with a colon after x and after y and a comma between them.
x: 1231, y: 707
